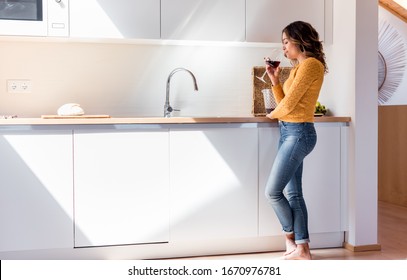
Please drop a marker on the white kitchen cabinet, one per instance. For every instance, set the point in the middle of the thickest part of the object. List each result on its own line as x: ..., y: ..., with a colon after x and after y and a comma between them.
x: 115, y: 19
x: 265, y: 19
x: 213, y: 183
x: 321, y: 181
x: 36, y: 190
x: 217, y: 20
x: 121, y: 187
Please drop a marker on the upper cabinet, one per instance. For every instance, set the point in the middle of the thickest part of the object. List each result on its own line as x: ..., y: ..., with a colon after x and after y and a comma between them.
x: 265, y: 19
x: 217, y: 20
x: 115, y: 19
x: 210, y: 20
x: 205, y: 20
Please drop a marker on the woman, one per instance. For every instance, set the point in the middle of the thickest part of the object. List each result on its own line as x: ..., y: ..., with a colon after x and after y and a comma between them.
x: 296, y: 101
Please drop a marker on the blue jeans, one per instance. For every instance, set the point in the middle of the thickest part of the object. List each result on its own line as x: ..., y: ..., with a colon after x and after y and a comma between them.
x: 297, y: 140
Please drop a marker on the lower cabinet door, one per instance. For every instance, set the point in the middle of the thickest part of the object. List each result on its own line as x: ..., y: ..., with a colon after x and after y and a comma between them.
x: 121, y: 187
x: 322, y: 181
x: 213, y: 183
x: 36, y: 190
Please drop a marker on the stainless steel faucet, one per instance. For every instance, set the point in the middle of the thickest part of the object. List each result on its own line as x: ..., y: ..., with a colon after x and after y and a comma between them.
x: 167, y: 107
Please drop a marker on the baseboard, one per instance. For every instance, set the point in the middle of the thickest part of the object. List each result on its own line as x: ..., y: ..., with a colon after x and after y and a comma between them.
x: 362, y: 248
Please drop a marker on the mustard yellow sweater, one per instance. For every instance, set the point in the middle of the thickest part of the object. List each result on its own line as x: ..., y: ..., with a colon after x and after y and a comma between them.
x: 296, y: 99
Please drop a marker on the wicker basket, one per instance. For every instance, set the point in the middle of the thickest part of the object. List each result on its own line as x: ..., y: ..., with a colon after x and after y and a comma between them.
x: 258, y: 108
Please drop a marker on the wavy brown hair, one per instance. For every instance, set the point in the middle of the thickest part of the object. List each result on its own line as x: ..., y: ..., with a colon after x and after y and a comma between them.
x: 307, y: 38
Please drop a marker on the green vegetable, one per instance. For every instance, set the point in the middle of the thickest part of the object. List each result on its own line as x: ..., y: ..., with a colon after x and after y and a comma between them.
x: 320, y: 109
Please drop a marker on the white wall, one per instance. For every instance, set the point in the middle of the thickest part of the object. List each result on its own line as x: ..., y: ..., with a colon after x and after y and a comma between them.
x: 128, y: 79
x: 351, y: 90
x: 354, y: 92
x: 364, y: 193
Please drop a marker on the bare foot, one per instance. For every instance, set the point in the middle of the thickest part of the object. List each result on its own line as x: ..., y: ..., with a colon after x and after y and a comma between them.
x: 302, y: 252
x: 289, y: 244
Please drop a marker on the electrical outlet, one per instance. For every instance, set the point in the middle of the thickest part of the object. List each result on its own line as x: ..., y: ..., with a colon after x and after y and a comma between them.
x: 19, y: 86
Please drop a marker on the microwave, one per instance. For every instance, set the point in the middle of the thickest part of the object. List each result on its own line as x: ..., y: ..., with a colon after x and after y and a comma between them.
x: 34, y: 18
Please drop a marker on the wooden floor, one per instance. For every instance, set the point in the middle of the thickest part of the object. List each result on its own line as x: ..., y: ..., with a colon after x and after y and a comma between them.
x: 392, y: 238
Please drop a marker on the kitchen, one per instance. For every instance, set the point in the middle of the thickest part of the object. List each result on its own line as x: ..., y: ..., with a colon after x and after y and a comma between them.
x: 125, y: 78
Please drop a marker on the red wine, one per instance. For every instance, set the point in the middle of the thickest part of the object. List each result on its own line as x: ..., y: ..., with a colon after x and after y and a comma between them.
x: 273, y: 63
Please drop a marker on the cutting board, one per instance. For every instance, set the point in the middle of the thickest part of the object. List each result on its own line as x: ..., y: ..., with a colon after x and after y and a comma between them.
x: 74, y: 117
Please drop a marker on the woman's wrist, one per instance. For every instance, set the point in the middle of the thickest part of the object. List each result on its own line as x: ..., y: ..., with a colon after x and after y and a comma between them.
x: 274, y: 81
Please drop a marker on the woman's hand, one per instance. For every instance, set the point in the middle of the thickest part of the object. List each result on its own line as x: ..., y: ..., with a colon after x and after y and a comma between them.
x: 269, y: 116
x: 273, y: 73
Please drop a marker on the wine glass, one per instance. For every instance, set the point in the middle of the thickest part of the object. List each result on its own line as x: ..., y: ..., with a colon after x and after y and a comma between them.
x: 261, y: 78
x: 273, y: 62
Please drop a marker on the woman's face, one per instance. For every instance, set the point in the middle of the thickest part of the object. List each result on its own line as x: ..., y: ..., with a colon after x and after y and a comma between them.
x: 291, y: 50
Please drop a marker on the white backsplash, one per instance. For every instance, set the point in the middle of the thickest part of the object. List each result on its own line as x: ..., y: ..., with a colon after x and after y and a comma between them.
x: 128, y: 79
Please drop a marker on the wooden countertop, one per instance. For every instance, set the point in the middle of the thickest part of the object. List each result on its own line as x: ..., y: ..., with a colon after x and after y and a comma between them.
x: 152, y: 120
